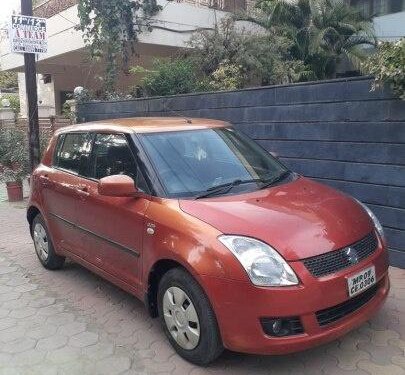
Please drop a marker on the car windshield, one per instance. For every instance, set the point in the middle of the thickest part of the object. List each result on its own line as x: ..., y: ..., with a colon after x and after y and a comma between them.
x: 192, y: 162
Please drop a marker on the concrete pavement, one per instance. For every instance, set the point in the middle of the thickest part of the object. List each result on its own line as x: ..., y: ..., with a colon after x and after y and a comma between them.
x: 73, y: 322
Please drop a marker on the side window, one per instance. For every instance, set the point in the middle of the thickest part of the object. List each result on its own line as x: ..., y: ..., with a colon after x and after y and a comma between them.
x: 112, y: 155
x: 74, y: 151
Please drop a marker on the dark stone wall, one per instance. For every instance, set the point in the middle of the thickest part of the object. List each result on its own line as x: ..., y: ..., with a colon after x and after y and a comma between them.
x: 337, y: 132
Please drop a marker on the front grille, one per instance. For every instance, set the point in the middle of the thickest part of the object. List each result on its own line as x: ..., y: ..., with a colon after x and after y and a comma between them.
x: 332, y: 314
x: 337, y: 260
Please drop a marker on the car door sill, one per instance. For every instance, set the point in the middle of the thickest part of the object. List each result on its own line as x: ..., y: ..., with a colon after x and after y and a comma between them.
x: 134, y: 290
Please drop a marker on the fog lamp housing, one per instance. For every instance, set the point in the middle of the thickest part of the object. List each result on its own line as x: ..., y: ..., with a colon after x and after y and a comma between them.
x: 282, y: 327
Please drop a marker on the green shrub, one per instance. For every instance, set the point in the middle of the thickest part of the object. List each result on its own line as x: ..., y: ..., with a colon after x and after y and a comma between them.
x: 169, y: 77
x: 14, y: 102
x: 226, y: 58
x: 227, y: 77
x: 8, y: 80
x: 387, y: 65
x: 14, y: 158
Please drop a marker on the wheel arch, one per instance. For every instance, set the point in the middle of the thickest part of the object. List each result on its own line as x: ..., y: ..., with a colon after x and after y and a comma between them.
x: 32, y: 212
x: 156, y: 273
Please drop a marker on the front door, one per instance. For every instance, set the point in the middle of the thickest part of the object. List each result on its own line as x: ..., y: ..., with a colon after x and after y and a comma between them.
x: 113, y: 226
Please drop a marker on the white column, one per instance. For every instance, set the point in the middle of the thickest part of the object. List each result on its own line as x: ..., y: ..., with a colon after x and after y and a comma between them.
x: 46, y: 96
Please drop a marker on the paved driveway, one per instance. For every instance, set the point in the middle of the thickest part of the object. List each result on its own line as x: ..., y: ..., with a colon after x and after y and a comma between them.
x: 72, y: 322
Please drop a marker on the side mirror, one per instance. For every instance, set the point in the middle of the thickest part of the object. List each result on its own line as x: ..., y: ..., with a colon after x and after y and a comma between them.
x: 117, y: 186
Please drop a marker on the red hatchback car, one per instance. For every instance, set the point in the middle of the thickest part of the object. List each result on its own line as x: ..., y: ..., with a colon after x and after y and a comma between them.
x: 224, y: 243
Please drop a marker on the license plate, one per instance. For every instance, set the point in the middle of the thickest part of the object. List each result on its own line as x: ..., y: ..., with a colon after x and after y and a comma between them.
x: 361, y: 281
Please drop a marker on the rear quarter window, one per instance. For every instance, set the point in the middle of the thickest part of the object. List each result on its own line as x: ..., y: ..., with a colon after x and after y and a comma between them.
x: 59, y: 143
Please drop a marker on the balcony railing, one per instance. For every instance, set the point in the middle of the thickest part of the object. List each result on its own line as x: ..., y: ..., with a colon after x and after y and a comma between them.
x: 375, y: 8
x: 50, y: 8
x: 225, y: 5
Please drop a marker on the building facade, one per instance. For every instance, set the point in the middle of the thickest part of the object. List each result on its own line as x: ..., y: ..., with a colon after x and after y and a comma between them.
x: 388, y: 16
x: 67, y: 63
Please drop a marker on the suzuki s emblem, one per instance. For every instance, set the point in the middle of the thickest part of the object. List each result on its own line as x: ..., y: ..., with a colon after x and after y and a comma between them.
x: 351, y: 255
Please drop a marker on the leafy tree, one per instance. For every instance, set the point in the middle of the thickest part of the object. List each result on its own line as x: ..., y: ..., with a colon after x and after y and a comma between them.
x: 225, y: 58
x: 110, y: 28
x: 321, y: 32
x: 387, y: 65
x: 260, y: 59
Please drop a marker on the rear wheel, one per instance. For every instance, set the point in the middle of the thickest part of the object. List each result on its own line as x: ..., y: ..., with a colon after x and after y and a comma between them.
x: 187, y: 318
x: 43, y: 245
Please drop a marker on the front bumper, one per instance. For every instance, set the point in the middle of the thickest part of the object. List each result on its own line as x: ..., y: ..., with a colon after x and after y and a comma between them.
x: 240, y: 305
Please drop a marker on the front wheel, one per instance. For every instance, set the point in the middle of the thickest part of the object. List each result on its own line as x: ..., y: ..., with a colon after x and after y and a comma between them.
x: 187, y: 318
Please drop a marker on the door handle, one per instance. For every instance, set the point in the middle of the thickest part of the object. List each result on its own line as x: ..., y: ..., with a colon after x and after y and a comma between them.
x: 45, y: 180
x: 83, y: 192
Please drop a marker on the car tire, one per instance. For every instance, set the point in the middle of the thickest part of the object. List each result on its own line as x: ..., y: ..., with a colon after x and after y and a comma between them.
x: 209, y: 345
x: 43, y: 245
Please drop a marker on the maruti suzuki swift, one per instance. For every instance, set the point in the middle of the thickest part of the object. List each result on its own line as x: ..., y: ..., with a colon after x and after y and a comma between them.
x: 222, y: 242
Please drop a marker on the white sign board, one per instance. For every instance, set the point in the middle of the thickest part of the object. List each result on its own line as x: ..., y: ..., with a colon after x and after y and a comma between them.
x: 28, y: 35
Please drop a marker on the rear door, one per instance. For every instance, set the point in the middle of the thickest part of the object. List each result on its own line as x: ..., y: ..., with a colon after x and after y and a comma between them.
x: 113, y: 226
x: 61, y: 189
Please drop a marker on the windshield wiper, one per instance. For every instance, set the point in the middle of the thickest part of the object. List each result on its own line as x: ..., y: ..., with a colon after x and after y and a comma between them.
x: 275, y: 179
x: 224, y: 188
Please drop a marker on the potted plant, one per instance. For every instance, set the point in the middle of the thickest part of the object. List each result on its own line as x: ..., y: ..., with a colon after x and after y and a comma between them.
x: 13, y: 161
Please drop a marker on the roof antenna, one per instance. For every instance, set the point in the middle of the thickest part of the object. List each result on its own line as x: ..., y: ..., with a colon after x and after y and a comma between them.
x: 178, y: 114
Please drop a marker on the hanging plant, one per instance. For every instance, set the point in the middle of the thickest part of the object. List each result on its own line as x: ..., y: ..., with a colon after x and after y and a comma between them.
x: 110, y: 29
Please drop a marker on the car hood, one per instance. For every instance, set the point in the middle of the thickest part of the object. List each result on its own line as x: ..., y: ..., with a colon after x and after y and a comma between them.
x: 299, y: 219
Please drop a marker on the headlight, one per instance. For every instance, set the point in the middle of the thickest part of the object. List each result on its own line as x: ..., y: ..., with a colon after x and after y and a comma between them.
x: 376, y: 222
x: 264, y: 265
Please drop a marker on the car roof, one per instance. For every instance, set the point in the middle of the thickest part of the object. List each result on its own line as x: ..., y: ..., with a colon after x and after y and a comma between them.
x: 146, y: 125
